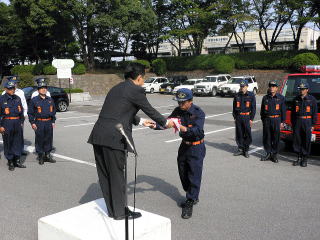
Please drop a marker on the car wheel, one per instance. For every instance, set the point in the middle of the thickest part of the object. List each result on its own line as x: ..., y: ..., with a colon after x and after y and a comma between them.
x: 151, y: 90
x: 214, y: 92
x: 62, y: 106
x: 254, y: 91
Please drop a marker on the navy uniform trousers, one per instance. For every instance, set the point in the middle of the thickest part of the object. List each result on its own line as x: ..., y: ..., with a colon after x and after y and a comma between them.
x: 243, y: 132
x: 302, y: 136
x: 44, y: 136
x: 271, y: 134
x: 12, y: 138
x: 190, y: 162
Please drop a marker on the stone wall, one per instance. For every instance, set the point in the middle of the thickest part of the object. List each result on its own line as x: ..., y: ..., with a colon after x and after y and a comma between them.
x: 100, y: 84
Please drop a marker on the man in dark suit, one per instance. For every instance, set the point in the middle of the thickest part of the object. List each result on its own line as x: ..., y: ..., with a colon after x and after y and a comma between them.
x: 121, y: 106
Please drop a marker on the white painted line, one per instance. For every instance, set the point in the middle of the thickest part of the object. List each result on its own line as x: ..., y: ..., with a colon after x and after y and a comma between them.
x: 95, y: 115
x: 32, y: 149
x: 256, y: 149
x: 221, y: 114
x: 77, y: 125
x: 207, y: 133
x: 165, y: 106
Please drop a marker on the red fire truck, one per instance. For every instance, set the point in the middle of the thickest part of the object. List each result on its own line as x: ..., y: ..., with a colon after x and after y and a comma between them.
x: 289, y: 89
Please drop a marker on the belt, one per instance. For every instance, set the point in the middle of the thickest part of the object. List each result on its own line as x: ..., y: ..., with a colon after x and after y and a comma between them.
x: 273, y: 116
x: 246, y: 113
x: 43, y: 119
x: 305, y: 117
x: 194, y: 143
x: 11, y: 118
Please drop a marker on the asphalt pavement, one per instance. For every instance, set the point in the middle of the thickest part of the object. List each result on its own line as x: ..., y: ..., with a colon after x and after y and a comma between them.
x: 240, y: 198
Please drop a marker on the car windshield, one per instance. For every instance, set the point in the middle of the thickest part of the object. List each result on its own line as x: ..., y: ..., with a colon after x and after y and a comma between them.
x: 27, y: 90
x: 189, y: 82
x: 290, y: 90
x: 235, y: 80
x: 149, y: 80
x: 210, y: 79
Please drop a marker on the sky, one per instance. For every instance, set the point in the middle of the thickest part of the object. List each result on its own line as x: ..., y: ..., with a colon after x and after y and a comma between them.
x: 5, y: 1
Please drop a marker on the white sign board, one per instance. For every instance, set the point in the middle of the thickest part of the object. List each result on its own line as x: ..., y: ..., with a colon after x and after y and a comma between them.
x: 71, y: 80
x: 63, y: 67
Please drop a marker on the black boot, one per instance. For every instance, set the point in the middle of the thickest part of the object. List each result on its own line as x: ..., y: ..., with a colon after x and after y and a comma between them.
x: 185, y: 203
x: 274, y: 158
x: 304, y: 161
x: 238, y: 153
x: 11, y: 165
x: 187, y: 210
x: 246, y: 154
x: 296, y: 163
x: 266, y: 157
x: 48, y: 158
x: 18, y: 163
x: 41, y: 158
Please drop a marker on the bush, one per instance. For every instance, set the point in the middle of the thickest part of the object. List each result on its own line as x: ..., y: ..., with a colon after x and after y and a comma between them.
x: 18, y: 69
x: 26, y: 80
x: 304, y: 59
x: 159, y: 66
x: 49, y: 70
x: 79, y: 69
x: 224, y: 64
x: 74, y: 90
x: 146, y: 63
x: 38, y: 69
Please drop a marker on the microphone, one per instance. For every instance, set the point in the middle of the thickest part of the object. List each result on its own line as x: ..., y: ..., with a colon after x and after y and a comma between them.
x: 119, y: 126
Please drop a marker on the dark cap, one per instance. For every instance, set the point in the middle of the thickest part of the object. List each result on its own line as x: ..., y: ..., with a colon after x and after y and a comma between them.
x: 303, y: 86
x: 42, y: 84
x: 244, y: 83
x: 10, y: 84
x: 273, y: 83
x: 13, y: 79
x: 40, y: 80
x: 183, y: 94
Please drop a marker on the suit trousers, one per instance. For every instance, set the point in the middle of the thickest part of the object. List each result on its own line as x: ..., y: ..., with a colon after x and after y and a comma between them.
x: 110, y: 167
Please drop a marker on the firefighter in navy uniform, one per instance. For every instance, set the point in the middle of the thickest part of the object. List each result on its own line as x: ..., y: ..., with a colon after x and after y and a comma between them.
x: 42, y: 116
x: 244, y: 110
x: 303, y: 118
x: 273, y: 115
x: 12, y: 118
x: 192, y: 149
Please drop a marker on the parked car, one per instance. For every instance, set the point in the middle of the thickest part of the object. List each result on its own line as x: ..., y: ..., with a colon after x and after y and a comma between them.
x: 173, y: 82
x: 59, y: 96
x: 210, y: 84
x: 153, y: 84
x: 233, y: 85
x: 187, y: 84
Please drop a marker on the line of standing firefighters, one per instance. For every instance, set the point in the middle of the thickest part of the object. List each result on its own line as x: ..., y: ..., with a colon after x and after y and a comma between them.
x: 273, y: 115
x: 41, y: 113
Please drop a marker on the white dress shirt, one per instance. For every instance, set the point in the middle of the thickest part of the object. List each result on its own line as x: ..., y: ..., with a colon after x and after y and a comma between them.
x: 36, y: 93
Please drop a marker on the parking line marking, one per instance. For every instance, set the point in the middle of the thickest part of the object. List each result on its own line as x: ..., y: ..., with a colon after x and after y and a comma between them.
x: 256, y: 149
x: 78, y: 117
x: 77, y: 125
x: 32, y: 149
x: 207, y: 133
x: 165, y: 106
x: 221, y: 114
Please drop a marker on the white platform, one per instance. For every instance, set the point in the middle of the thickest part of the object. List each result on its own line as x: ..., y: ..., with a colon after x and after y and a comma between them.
x: 90, y: 222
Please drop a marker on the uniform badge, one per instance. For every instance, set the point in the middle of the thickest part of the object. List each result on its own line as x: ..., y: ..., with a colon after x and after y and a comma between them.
x: 181, y: 95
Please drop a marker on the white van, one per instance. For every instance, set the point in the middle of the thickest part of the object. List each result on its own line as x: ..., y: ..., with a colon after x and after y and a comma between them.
x: 152, y: 84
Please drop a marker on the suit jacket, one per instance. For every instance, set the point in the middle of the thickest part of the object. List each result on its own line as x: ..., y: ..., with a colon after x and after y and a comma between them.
x: 121, y: 106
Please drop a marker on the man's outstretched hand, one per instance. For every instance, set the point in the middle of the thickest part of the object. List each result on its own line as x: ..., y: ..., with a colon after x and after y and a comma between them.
x: 149, y: 123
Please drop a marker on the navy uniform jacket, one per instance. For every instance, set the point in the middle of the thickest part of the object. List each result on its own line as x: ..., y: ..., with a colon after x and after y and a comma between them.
x: 271, y: 106
x: 10, y: 106
x: 244, y: 103
x: 193, y: 119
x: 304, y: 107
x: 41, y: 108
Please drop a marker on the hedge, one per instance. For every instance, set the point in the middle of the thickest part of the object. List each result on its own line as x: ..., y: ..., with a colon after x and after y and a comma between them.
x: 26, y: 80
x: 74, y: 90
x: 49, y: 70
x: 146, y: 63
x: 304, y: 59
x: 18, y: 69
x: 159, y: 66
x: 79, y: 69
x: 224, y: 64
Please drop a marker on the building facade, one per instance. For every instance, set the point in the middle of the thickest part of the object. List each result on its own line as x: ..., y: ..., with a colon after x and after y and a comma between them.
x: 252, y: 43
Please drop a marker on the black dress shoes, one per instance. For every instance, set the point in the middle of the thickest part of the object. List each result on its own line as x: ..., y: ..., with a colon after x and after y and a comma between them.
x: 304, y: 162
x: 296, y: 163
x: 187, y: 210
x: 274, y: 158
x: 18, y: 164
x: 48, y: 158
x: 246, y: 154
x: 238, y: 153
x: 11, y: 166
x: 40, y: 158
x: 266, y: 157
x: 131, y: 215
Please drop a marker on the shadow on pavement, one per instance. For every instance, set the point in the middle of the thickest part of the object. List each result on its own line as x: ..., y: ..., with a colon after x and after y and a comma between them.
x: 93, y: 193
